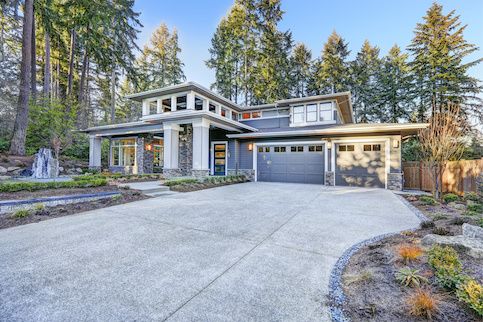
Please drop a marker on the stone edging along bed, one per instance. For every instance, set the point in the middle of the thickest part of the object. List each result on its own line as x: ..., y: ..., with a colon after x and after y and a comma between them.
x: 336, y: 293
x: 13, y: 205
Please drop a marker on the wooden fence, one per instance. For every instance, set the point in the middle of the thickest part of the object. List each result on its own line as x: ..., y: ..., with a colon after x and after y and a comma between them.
x: 459, y: 176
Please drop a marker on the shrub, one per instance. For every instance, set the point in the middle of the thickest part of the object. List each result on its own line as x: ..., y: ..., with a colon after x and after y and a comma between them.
x: 423, y: 303
x: 428, y: 201
x: 32, y: 186
x: 470, y: 213
x: 175, y: 182
x: 478, y: 208
x: 480, y: 222
x: 39, y: 207
x: 447, y: 265
x: 471, y: 292
x: 441, y: 231
x: 410, y: 277
x: 21, y: 213
x: 440, y: 216
x: 450, y: 197
x: 427, y: 224
x: 409, y: 252
x: 473, y: 196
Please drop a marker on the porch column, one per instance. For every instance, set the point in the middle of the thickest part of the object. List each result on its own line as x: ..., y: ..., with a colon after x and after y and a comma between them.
x: 171, y: 145
x: 95, y: 152
x: 190, y: 101
x: 201, y: 147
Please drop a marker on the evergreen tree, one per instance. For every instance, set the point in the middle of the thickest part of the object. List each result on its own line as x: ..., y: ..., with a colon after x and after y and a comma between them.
x: 394, y: 88
x: 364, y: 70
x: 332, y: 72
x: 301, y: 62
x: 439, y: 48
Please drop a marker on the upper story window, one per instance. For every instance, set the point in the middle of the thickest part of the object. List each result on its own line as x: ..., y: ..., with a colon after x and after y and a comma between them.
x: 212, y: 108
x: 234, y: 115
x: 312, y: 113
x: 166, y: 103
x: 181, y: 103
x: 223, y: 112
x: 198, y: 104
x: 153, y: 107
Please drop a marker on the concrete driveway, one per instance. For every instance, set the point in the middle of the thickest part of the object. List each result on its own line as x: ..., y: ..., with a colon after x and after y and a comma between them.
x: 246, y: 252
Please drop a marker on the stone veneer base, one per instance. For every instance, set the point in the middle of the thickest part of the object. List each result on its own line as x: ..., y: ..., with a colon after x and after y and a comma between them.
x: 200, y: 173
x: 329, y: 178
x: 172, y: 173
x: 395, y: 181
x: 249, y: 173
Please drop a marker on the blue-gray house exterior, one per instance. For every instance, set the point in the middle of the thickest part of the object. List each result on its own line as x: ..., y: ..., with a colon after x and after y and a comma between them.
x: 188, y: 130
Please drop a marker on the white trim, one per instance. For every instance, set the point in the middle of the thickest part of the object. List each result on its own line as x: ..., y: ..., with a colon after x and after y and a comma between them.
x: 271, y: 143
x: 135, y: 145
x: 212, y: 156
x: 387, y: 150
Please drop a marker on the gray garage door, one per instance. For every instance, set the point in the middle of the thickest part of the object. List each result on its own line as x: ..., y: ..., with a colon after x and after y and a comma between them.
x: 291, y: 163
x: 360, y: 164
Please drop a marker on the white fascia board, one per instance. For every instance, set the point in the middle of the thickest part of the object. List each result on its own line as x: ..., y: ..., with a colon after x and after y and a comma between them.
x: 332, y: 130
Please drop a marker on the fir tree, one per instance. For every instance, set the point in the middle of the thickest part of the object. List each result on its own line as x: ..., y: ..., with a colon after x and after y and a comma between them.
x: 301, y: 61
x: 439, y: 48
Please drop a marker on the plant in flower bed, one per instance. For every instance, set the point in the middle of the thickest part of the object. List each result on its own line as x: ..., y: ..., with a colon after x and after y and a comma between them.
x: 32, y: 186
x: 119, y: 177
x: 192, y: 184
x: 411, y: 289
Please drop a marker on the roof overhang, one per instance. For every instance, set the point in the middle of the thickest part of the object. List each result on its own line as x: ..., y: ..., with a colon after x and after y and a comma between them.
x: 341, y: 130
x: 180, y: 88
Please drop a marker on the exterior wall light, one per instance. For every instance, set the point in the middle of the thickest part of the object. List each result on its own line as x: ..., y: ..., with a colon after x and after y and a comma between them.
x: 149, y: 147
x: 250, y: 147
x: 329, y: 144
x: 395, y: 144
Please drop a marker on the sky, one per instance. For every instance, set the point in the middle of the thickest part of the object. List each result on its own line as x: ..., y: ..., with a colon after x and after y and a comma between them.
x: 383, y: 22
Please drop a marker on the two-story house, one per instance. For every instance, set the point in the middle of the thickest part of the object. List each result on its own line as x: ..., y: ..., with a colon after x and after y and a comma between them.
x: 188, y: 130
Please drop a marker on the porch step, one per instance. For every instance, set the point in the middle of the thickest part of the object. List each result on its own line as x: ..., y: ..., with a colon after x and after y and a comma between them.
x: 147, y: 187
x: 161, y: 193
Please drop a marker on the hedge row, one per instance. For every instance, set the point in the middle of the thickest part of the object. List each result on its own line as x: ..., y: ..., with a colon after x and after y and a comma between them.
x: 32, y: 186
x: 117, y: 176
x: 210, y: 179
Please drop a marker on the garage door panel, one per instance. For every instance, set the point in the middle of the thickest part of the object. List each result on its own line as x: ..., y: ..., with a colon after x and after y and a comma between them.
x: 357, y: 167
x: 294, y: 165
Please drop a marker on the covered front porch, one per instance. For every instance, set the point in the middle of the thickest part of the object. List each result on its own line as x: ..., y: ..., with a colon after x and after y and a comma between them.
x: 181, y: 147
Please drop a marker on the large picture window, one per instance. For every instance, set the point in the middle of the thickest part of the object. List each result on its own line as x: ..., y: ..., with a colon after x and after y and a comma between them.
x: 123, y: 152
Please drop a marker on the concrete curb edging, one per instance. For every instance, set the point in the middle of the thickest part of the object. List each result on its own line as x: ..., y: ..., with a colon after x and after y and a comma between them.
x: 336, y: 293
x: 13, y: 205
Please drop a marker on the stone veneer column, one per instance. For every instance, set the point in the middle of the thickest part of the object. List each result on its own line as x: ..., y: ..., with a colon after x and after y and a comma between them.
x: 139, y: 169
x: 329, y: 178
x: 395, y: 181
x: 186, y: 150
x: 95, y: 152
x: 201, y: 148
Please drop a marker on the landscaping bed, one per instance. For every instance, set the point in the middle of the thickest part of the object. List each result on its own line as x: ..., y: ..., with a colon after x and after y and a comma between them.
x: 397, y: 279
x: 25, y: 194
x: 193, y: 184
x: 115, y: 178
x: 40, y: 213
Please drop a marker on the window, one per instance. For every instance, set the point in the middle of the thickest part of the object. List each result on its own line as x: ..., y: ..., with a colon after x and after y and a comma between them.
x: 260, y: 149
x: 376, y: 147
x: 158, y: 152
x: 312, y: 113
x: 181, y: 103
x: 245, y: 116
x: 234, y: 115
x: 279, y: 149
x: 198, y: 104
x: 367, y: 147
x: 212, y: 108
x: 223, y: 111
x: 315, y: 148
x: 325, y: 111
x: 153, y: 107
x: 264, y: 149
x: 298, y: 114
x: 299, y: 148
x: 256, y: 115
x: 123, y: 152
x: 166, y: 105
x: 343, y: 148
x: 267, y: 149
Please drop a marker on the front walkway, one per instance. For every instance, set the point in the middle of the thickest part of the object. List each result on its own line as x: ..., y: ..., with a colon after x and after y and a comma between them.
x: 253, y: 251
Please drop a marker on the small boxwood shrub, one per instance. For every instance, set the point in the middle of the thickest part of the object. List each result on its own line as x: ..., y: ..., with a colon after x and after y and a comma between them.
x: 428, y: 201
x: 21, y: 213
x: 444, y: 260
x: 473, y: 196
x: 471, y: 292
x: 450, y: 197
x: 33, y: 186
x: 478, y: 208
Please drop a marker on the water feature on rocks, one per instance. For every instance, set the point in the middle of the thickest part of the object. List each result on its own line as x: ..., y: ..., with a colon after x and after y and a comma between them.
x: 45, y: 165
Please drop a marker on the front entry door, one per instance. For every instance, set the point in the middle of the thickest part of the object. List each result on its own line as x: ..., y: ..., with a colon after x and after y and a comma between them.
x: 219, y: 159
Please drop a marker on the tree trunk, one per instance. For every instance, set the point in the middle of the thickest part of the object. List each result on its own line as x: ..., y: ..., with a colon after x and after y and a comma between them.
x: 46, y: 89
x: 83, y: 77
x: 33, y: 64
x: 71, y: 62
x: 17, y: 145
x: 113, y: 95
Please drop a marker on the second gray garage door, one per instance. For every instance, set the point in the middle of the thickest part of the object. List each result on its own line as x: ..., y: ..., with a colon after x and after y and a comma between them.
x: 291, y: 163
x: 360, y: 164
